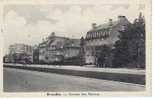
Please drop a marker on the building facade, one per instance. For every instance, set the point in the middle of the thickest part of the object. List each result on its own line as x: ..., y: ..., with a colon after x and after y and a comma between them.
x: 103, y: 35
x: 21, y: 53
x: 72, y: 52
x: 56, y: 49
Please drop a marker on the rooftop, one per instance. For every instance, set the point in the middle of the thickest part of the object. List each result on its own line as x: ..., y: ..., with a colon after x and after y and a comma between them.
x: 59, y: 42
x: 121, y: 20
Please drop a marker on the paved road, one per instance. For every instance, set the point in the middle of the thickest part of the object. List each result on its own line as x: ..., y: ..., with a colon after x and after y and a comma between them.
x: 16, y: 80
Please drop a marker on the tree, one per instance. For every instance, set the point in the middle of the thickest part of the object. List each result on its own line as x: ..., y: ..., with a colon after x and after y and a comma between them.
x: 82, y: 53
x: 140, y: 30
x: 104, y: 56
x: 121, y: 54
x: 130, y: 48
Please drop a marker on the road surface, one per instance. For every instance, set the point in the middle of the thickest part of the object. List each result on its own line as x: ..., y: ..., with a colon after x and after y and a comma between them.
x: 17, y: 80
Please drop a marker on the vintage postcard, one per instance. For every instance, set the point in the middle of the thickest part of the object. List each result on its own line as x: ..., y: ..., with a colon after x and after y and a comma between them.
x: 75, y: 47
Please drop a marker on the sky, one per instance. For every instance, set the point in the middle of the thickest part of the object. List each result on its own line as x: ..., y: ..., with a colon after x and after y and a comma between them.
x: 30, y: 24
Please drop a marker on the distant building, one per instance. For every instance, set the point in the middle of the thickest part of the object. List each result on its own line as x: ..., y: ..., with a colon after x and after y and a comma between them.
x: 21, y: 52
x: 100, y: 35
x: 50, y: 50
x: 56, y: 49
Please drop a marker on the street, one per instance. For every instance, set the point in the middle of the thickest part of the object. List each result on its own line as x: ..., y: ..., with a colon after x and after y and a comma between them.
x: 17, y: 80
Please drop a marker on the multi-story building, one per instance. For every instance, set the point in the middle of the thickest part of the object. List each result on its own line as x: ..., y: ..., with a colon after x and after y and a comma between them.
x: 50, y: 49
x: 21, y: 52
x: 56, y: 49
x: 71, y: 48
x: 104, y: 34
x: 72, y: 51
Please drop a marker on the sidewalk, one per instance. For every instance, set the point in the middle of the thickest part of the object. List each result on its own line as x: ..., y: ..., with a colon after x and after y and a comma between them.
x: 90, y: 68
x: 119, y: 74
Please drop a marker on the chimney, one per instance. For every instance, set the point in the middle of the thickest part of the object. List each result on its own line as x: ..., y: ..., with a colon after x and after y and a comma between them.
x: 110, y: 22
x: 53, y: 34
x: 94, y: 25
x: 121, y: 18
x: 140, y: 15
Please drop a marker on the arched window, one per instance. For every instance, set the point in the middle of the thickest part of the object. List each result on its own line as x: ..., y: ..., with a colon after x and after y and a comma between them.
x: 90, y: 35
x: 95, y: 34
x: 103, y: 34
x: 99, y: 34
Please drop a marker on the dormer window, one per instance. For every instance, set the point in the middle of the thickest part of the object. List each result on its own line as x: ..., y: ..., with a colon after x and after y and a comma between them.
x: 123, y: 27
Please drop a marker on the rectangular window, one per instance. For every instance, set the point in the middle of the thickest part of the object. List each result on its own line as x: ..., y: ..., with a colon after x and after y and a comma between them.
x: 94, y: 34
x: 91, y: 35
x: 100, y: 34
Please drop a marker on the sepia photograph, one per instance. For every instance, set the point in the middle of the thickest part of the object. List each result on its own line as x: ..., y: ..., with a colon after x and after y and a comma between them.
x: 75, y: 47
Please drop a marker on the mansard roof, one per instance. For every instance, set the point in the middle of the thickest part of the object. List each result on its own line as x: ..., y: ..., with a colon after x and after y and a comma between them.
x: 108, y: 25
x: 59, y: 42
x: 103, y: 26
x: 51, y: 41
x: 73, y: 43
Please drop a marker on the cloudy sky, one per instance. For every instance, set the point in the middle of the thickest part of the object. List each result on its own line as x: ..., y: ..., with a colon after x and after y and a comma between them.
x: 29, y: 24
